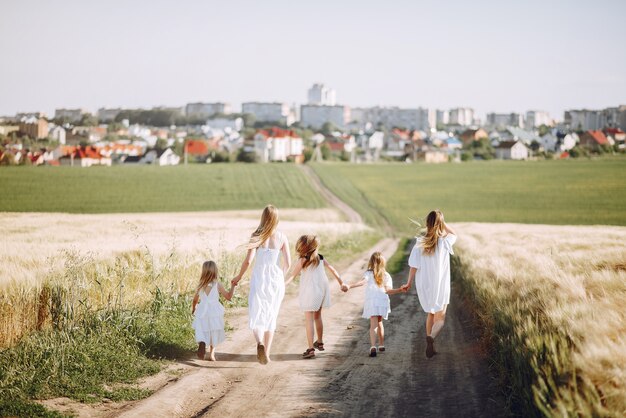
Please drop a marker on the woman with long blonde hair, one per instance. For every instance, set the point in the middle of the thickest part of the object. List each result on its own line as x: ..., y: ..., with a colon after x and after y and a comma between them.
x: 430, y: 267
x: 267, y: 284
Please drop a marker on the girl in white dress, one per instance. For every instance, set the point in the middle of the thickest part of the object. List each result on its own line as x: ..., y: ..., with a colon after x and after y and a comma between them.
x: 208, y: 319
x: 267, y: 285
x: 314, y: 291
x: 377, y: 305
x: 430, y: 267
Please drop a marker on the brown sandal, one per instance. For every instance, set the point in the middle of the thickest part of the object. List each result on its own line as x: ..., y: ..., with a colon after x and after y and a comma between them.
x: 309, y: 353
x: 319, y: 346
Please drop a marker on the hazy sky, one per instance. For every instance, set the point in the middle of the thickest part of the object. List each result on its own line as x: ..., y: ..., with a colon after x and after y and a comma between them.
x: 491, y: 55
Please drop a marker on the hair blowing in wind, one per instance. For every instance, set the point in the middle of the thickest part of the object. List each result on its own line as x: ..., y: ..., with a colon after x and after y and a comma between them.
x: 434, y: 230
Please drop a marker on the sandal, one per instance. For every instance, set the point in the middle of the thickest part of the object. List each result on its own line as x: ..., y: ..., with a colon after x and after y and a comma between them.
x: 309, y: 353
x: 319, y: 346
x: 430, y: 347
x: 201, y: 350
x: 373, y: 352
x: 260, y: 353
x: 381, y: 348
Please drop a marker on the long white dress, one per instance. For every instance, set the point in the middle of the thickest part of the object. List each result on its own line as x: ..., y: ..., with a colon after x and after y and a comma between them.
x: 432, y: 279
x: 267, y: 289
x: 209, y: 318
x: 314, y: 290
x: 376, y: 298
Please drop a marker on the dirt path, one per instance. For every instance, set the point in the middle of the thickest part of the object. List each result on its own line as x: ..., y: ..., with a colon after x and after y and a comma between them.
x: 351, y: 214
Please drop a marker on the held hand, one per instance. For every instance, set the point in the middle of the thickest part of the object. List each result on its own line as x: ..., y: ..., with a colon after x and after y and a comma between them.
x: 234, y: 282
x: 345, y: 288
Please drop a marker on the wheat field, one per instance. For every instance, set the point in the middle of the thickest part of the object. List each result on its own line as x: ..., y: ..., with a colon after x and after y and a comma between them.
x: 553, y: 298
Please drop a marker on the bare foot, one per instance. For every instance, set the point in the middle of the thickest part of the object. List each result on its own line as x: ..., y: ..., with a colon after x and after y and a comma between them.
x: 260, y: 353
x: 212, y: 357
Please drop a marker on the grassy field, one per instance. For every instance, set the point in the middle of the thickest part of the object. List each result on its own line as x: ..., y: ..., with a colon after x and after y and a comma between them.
x: 551, y: 301
x: 120, y: 189
x: 577, y: 192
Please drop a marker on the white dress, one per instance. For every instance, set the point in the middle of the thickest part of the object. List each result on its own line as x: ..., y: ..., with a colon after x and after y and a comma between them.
x: 432, y: 279
x: 314, y: 288
x: 376, y: 299
x: 209, y: 318
x: 267, y: 289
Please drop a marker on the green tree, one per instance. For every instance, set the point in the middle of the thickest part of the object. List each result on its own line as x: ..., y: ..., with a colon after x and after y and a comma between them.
x: 328, y: 128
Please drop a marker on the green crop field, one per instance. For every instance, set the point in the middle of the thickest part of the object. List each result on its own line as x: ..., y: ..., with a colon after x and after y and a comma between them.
x: 544, y: 192
x: 121, y: 189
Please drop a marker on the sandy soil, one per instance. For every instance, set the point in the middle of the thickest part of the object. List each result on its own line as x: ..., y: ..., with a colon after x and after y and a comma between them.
x: 33, y: 243
x: 340, y: 381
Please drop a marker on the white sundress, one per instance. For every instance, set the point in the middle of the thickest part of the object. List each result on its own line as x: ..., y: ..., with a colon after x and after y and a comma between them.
x: 314, y: 288
x: 432, y: 279
x: 209, y: 318
x: 376, y: 298
x: 267, y: 289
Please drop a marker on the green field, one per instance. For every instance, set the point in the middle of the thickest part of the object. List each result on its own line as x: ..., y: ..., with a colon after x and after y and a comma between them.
x: 574, y: 192
x: 120, y: 189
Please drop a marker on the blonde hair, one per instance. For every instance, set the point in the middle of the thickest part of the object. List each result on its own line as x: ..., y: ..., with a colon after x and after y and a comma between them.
x: 434, y: 230
x: 377, y: 266
x: 306, y: 247
x: 267, y: 226
x: 208, y: 275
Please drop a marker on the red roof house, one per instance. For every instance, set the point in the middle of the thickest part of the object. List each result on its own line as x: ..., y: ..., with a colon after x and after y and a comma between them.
x: 593, y: 139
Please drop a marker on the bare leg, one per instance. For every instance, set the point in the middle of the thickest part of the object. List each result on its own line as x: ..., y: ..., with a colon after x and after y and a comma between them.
x: 373, y: 330
x: 439, y: 319
x: 211, y: 353
x: 257, y: 335
x: 381, y: 331
x: 267, y: 339
x: 319, y: 326
x: 309, y: 318
x: 429, y: 324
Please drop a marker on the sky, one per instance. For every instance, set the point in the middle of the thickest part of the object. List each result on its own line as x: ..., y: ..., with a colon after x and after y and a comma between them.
x: 495, y: 56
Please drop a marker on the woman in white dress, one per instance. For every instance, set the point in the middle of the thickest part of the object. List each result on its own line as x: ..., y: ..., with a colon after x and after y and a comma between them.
x: 430, y: 267
x: 267, y: 285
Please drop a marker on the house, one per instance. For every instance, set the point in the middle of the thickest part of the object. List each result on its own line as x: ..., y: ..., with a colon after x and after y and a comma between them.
x: 618, y: 136
x: 83, y: 156
x: 433, y: 156
x: 276, y: 144
x: 512, y: 150
x: 470, y: 135
x: 453, y: 143
x: 36, y: 128
x: 161, y: 157
x: 513, y: 133
x: 593, y: 140
x: 549, y: 142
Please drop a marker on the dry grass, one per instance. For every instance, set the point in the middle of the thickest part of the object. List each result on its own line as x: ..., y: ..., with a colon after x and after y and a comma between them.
x: 554, y: 298
x: 52, y: 263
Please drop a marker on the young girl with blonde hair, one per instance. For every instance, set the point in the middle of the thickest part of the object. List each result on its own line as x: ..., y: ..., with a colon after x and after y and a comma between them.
x: 430, y: 267
x: 377, y: 305
x: 314, y: 291
x: 208, y: 319
x: 267, y: 285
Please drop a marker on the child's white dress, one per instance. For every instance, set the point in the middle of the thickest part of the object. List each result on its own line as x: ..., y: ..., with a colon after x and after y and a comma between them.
x: 209, y: 318
x: 267, y: 289
x: 432, y: 279
x: 314, y: 288
x: 376, y: 299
